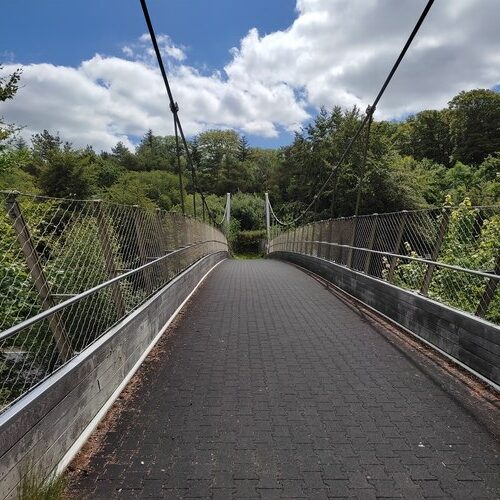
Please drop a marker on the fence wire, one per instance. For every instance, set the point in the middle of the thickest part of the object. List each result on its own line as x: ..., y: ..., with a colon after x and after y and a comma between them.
x: 449, y: 254
x: 53, y: 250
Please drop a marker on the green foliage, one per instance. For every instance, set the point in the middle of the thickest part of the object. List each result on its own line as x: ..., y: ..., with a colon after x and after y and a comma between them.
x: 244, y: 152
x: 146, y: 189
x: 14, y: 273
x: 65, y: 175
x: 34, y: 487
x: 44, y: 145
x: 123, y: 157
x: 487, y: 181
x: 19, y: 298
x: 77, y: 264
x: 248, y: 210
x: 216, y: 155
x: 9, y: 85
x: 467, y: 246
x: 426, y: 136
x: 103, y: 173
x: 155, y: 153
x: 12, y: 173
x: 231, y: 232
x: 475, y: 125
x: 249, y: 242
x: 308, y: 162
x: 411, y: 164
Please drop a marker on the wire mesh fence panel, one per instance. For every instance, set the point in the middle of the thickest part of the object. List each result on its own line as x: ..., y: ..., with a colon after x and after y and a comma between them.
x: 54, y: 250
x: 450, y: 254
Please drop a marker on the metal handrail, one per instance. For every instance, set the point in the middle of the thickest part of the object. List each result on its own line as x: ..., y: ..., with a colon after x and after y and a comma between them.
x: 77, y: 298
x: 365, y: 216
x: 407, y: 257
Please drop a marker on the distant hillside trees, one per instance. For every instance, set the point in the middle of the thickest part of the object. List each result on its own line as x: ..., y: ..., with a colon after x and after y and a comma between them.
x: 410, y: 164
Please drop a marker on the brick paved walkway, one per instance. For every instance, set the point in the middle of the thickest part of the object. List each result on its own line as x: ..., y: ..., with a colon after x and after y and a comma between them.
x: 274, y: 388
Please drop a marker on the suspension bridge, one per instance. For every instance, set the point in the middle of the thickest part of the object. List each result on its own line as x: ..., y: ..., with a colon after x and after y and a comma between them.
x: 360, y: 358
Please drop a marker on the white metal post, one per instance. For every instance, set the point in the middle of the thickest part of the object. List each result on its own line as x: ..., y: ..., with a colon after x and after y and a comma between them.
x: 228, y: 208
x: 268, y: 220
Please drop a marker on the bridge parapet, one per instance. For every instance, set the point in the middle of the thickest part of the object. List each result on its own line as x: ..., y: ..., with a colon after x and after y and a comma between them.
x: 71, y: 269
x: 87, y: 288
x: 442, y: 260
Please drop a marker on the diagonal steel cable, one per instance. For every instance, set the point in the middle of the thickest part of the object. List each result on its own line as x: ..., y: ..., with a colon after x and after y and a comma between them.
x: 368, y: 115
x: 174, y: 108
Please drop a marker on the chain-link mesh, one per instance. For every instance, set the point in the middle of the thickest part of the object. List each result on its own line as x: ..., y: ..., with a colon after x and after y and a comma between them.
x: 52, y: 250
x: 450, y: 254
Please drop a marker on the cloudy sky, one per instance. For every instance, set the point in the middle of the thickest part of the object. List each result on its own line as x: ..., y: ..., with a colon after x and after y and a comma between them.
x: 263, y: 67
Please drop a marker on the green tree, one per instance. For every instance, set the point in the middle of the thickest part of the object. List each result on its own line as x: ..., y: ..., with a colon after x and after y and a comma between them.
x: 104, y: 172
x: 263, y: 167
x: 475, y: 125
x: 309, y: 161
x: 13, y: 174
x: 156, y: 153
x: 243, y: 149
x: 487, y: 177
x: 122, y: 156
x: 248, y: 209
x: 215, y: 149
x: 9, y: 85
x: 45, y: 144
x: 64, y: 175
x: 426, y: 135
x: 147, y: 189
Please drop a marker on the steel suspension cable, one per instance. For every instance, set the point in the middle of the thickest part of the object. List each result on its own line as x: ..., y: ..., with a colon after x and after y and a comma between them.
x: 174, y: 107
x: 368, y: 115
x: 363, y: 164
x: 179, y: 166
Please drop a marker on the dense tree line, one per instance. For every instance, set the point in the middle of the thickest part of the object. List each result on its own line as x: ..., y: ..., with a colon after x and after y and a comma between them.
x: 409, y: 164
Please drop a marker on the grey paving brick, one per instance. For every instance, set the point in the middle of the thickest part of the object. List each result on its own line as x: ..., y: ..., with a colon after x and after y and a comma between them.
x: 271, y: 387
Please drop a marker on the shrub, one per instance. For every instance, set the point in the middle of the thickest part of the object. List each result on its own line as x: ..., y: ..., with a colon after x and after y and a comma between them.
x: 249, y: 241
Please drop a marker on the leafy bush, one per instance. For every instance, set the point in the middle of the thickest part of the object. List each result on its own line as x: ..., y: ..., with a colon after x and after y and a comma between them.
x: 466, y: 244
x: 249, y: 210
x: 248, y: 242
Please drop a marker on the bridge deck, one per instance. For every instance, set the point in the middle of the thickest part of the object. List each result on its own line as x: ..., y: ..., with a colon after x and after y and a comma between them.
x: 271, y: 387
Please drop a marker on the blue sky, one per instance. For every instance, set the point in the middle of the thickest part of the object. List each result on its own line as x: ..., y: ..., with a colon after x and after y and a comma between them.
x: 263, y: 67
x: 66, y: 32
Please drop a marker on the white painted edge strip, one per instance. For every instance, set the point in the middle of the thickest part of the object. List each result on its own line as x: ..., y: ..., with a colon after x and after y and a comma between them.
x: 77, y: 445
x: 489, y: 382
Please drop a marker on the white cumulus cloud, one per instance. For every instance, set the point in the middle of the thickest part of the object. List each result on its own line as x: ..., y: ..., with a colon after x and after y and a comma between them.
x: 335, y: 52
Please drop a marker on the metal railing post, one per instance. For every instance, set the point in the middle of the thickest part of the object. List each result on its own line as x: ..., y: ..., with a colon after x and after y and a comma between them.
x: 162, y: 240
x: 489, y: 292
x: 435, y: 251
x: 399, y: 239
x: 42, y: 286
x: 331, y: 248
x: 268, y: 221
x: 109, y: 261
x: 141, y: 246
x: 353, y: 239
x: 228, y: 209
x: 320, y: 250
x: 310, y: 237
x: 373, y: 234
x: 175, y: 238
